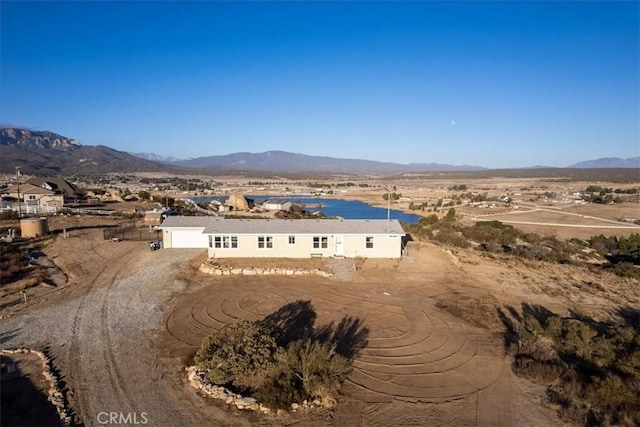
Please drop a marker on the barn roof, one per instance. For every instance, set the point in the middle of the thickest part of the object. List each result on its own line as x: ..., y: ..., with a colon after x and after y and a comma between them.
x: 214, y: 225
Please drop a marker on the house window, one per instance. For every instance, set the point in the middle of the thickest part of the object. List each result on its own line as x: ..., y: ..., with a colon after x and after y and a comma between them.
x: 265, y: 242
x: 292, y: 240
x: 223, y: 242
x: 320, y: 242
x: 368, y: 242
x: 32, y: 197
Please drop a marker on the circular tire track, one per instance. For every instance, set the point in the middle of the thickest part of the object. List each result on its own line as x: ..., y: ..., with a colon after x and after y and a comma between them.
x: 415, y: 351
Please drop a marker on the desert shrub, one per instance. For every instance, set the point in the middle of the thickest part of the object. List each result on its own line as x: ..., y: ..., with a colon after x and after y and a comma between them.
x: 610, y: 393
x: 282, y: 359
x: 627, y: 269
x: 491, y: 232
x: 9, y: 215
x: 592, y: 369
x: 13, y: 264
x: 429, y: 220
x: 280, y: 390
x: 305, y: 370
x: 537, y: 370
x: 317, y: 365
x: 451, y: 237
x: 241, y: 353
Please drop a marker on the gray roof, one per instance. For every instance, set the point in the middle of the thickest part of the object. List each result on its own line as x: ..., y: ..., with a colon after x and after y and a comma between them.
x: 215, y: 225
x: 276, y: 201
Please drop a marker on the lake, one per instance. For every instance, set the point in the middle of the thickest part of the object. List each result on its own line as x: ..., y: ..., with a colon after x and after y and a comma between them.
x: 348, y: 209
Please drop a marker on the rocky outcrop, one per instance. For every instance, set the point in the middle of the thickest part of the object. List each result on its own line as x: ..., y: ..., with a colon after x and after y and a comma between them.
x: 34, y: 140
x: 227, y: 270
x: 54, y: 393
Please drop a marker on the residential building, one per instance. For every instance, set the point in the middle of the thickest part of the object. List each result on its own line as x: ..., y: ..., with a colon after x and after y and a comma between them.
x: 280, y: 238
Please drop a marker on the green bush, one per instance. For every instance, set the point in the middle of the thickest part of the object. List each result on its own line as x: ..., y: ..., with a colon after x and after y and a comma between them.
x: 241, y: 353
x: 319, y: 368
x: 282, y: 359
x: 428, y: 220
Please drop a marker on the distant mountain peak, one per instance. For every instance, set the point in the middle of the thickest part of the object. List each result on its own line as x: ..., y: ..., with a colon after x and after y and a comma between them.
x: 36, y: 140
x: 47, y: 153
x: 608, y: 162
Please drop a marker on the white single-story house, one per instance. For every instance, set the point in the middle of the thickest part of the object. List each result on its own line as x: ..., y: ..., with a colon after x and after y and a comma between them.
x: 277, y: 205
x: 285, y: 238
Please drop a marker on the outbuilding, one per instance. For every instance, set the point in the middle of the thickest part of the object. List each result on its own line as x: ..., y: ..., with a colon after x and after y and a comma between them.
x: 285, y: 238
x: 277, y: 205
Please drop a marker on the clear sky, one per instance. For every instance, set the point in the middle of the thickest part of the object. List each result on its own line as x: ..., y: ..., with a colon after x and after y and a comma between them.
x: 495, y: 84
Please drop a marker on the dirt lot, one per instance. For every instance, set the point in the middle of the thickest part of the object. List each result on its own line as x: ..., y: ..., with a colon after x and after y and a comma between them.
x: 127, y: 320
x: 24, y: 394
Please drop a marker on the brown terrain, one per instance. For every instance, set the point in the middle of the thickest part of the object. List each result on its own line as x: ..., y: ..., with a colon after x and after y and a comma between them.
x: 121, y: 323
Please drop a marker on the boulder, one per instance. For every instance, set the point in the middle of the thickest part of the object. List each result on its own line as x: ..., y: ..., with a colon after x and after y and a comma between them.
x: 238, y: 202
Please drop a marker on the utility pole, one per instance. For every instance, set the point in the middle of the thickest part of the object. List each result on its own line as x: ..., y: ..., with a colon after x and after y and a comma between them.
x: 388, y: 204
x: 18, y: 185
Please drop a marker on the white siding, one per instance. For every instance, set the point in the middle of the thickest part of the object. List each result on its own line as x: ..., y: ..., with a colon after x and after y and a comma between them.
x: 186, y: 238
x: 384, y: 246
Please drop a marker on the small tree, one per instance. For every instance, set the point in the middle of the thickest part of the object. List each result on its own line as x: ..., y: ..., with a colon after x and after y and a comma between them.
x: 451, y: 215
x: 241, y: 353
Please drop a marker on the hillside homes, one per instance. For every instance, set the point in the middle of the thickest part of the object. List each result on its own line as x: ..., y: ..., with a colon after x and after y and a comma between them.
x: 274, y: 238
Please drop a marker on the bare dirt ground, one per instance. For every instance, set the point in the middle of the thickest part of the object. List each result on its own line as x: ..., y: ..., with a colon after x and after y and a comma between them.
x: 127, y: 321
x: 24, y: 394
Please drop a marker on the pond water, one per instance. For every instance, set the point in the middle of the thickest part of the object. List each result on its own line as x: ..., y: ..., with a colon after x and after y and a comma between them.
x: 348, y: 209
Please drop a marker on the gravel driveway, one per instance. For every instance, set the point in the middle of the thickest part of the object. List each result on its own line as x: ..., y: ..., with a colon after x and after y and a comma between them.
x: 99, y: 340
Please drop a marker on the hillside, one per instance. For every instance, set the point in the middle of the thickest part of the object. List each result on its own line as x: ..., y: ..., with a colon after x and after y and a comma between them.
x: 47, y: 153
x: 282, y: 161
x: 609, y: 162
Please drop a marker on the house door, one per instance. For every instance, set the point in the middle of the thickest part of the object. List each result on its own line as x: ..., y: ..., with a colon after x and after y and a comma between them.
x: 340, y: 245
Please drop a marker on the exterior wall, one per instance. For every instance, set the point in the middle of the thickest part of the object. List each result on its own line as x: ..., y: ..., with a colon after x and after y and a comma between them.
x: 277, y: 206
x: 384, y: 246
x: 185, y: 238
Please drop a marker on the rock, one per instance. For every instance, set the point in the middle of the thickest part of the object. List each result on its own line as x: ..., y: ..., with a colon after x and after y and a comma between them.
x: 229, y: 399
x: 317, y: 401
x: 236, y: 271
x: 249, y: 272
x: 294, y: 406
x: 248, y: 401
x: 238, y: 202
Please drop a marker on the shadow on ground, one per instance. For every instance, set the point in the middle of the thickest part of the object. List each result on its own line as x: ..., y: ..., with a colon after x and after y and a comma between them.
x: 296, y: 321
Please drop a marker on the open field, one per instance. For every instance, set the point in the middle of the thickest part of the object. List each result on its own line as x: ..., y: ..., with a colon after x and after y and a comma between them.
x: 128, y: 321
x: 121, y: 322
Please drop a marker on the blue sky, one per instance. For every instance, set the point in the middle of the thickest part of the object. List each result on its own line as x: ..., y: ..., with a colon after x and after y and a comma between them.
x: 495, y: 84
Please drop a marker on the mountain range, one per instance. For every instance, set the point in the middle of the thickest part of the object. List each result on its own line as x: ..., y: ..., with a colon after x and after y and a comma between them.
x: 47, y: 153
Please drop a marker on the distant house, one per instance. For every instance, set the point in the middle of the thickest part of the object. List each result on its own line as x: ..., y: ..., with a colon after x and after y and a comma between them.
x: 276, y: 205
x: 157, y: 216
x: 274, y: 238
x: 33, y: 195
x: 58, y: 185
